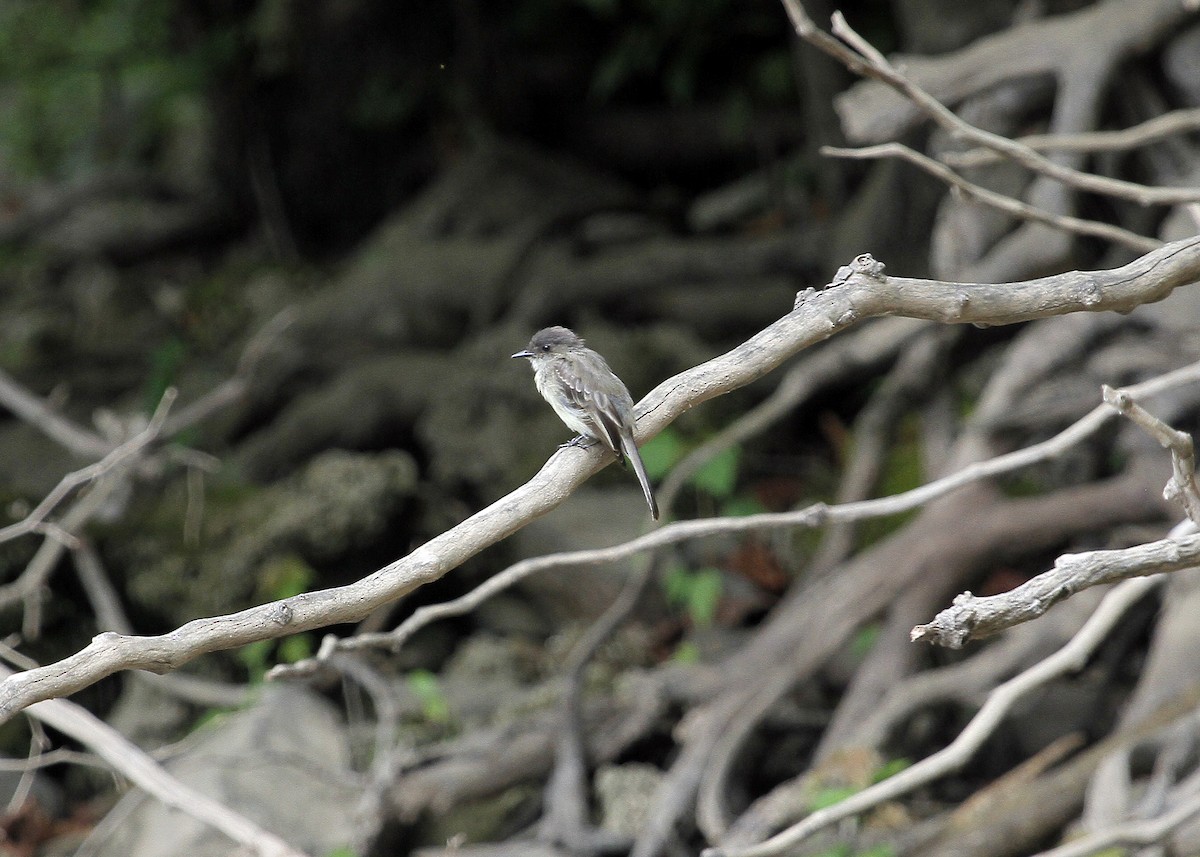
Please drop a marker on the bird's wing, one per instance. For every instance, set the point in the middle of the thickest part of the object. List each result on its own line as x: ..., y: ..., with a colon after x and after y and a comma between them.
x: 596, y: 408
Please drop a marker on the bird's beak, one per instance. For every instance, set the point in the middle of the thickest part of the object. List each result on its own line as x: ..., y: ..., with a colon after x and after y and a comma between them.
x: 523, y: 354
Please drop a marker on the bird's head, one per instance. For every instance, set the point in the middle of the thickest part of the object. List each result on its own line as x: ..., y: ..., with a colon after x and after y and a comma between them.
x: 549, y: 342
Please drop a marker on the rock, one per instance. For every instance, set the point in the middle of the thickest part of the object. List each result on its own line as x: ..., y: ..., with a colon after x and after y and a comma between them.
x: 626, y: 795
x: 285, y: 763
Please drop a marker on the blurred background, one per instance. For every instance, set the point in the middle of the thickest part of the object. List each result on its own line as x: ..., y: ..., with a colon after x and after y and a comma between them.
x: 356, y: 210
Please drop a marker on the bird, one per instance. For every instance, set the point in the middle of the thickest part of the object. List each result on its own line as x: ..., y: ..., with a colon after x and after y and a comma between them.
x: 587, y: 396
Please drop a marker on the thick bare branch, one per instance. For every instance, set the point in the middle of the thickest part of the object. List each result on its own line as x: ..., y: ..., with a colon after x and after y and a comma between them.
x: 972, y: 618
x: 860, y: 291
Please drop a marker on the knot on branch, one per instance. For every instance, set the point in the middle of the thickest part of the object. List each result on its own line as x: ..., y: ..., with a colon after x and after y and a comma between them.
x: 864, y: 265
x: 952, y: 627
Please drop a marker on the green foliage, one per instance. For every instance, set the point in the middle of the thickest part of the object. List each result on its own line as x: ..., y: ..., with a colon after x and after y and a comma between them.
x: 686, y: 652
x: 344, y: 851
x: 719, y: 475
x: 902, y: 471
x: 678, y: 45
x: 830, y: 796
x: 833, y: 795
x: 256, y: 658
x: 282, y: 577
x: 741, y: 506
x: 889, y: 769
x: 165, y: 362
x: 864, y: 640
x: 90, y: 82
x: 697, y: 592
x: 663, y: 452
x: 434, y: 705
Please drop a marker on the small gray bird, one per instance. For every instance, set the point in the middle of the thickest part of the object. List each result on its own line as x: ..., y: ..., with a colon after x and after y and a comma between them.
x: 587, y: 396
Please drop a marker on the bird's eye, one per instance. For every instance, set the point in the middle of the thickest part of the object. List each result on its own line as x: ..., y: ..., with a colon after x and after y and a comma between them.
x: 545, y: 347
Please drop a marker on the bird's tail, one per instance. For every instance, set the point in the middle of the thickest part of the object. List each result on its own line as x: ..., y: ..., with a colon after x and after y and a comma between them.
x: 631, y: 452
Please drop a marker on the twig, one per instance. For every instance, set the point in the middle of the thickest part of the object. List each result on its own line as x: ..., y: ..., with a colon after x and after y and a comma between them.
x: 1182, y: 488
x: 1007, y: 204
x: 861, y: 292
x: 565, y: 818
x: 369, y: 813
x: 972, y: 618
x: 1147, y: 831
x: 860, y: 57
x: 41, y: 416
x: 864, y: 348
x: 1150, y: 131
x: 680, y: 531
x: 113, y: 458
x: 1069, y: 658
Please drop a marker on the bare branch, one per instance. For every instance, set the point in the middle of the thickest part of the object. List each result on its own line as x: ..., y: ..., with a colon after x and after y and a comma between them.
x: 858, y: 56
x: 1007, y: 204
x: 41, y: 416
x: 130, y: 761
x: 1150, y: 131
x: 1182, y: 487
x: 861, y: 291
x: 680, y: 531
x: 972, y: 618
x: 1141, y: 831
x: 114, y: 458
x: 1000, y: 701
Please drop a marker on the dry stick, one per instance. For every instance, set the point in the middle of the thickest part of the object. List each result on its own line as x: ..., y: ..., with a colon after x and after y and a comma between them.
x: 913, y: 370
x: 973, y: 618
x: 29, y: 587
x: 37, y: 413
x: 113, y: 457
x: 862, y: 292
x: 110, y: 616
x: 565, y: 817
x: 860, y: 57
x: 370, y: 813
x: 1149, y: 831
x: 872, y: 344
x: 1069, y: 658
x: 1182, y: 487
x: 1007, y: 204
x: 132, y: 762
x: 680, y: 531
x: 1143, y: 134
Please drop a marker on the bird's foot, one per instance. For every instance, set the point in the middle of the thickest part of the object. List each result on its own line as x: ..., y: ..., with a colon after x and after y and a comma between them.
x: 580, y: 441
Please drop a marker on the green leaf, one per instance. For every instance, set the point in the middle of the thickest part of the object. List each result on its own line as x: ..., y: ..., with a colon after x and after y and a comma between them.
x: 285, y: 576
x: 705, y: 596
x: 428, y: 690
x: 864, y: 640
x: 890, y: 768
x: 741, y: 506
x: 719, y: 476
x: 295, y: 648
x: 663, y: 452
x: 686, y: 653
x: 829, y: 797
x: 698, y: 592
x: 254, y: 657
